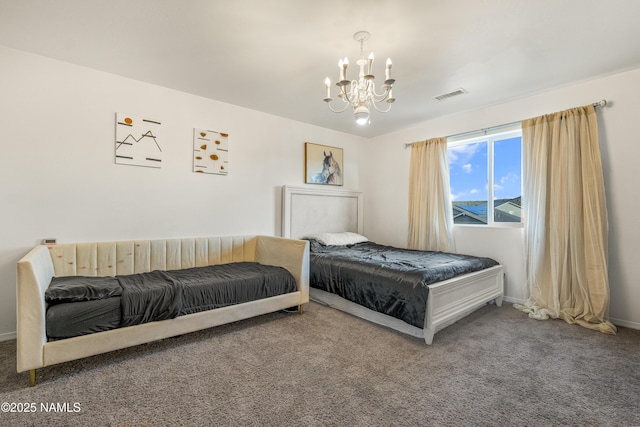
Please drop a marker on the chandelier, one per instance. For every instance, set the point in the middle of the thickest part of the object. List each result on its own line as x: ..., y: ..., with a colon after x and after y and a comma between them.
x: 361, y: 94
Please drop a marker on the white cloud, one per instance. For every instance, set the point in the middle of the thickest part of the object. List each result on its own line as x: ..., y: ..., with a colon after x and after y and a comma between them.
x: 467, y: 167
x: 464, y: 152
x: 509, y: 178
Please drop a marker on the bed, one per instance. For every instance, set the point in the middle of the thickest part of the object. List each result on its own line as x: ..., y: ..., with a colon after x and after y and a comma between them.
x: 415, y: 305
x: 43, y: 341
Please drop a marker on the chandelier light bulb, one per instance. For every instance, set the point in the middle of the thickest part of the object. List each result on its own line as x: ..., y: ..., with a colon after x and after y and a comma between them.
x: 361, y: 114
x: 345, y: 64
x: 327, y: 83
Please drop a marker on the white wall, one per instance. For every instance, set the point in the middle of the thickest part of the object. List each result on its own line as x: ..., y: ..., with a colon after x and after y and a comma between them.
x: 59, y: 179
x: 385, y: 175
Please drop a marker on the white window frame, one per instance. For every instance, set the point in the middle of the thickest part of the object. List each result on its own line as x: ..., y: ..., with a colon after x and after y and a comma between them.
x: 497, y: 134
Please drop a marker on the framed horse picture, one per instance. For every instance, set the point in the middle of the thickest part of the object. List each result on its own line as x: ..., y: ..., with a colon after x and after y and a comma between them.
x: 322, y: 164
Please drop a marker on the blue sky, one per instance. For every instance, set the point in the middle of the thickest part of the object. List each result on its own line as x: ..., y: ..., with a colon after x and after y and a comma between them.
x: 468, y: 169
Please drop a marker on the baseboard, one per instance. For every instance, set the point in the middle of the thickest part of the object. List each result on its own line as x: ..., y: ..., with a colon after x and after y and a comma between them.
x: 513, y: 300
x: 625, y: 323
x: 7, y: 336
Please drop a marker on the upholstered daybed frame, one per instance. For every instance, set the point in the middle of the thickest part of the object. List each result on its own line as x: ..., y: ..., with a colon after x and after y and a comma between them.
x: 41, y: 264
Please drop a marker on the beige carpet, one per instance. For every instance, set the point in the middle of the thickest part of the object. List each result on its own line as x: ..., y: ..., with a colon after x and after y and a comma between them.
x: 496, y: 367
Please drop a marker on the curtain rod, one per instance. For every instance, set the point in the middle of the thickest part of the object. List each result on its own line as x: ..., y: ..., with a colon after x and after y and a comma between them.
x: 601, y: 103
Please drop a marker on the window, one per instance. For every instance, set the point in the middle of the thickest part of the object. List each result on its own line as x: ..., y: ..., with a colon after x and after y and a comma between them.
x: 474, y: 162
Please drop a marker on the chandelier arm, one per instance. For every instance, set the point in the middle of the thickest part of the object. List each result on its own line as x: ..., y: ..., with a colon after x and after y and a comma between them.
x: 381, y: 111
x: 346, y: 105
x: 380, y: 99
x: 381, y: 96
x: 343, y: 91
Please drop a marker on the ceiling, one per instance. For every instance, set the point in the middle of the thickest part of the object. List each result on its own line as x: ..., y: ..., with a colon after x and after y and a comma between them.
x: 273, y: 56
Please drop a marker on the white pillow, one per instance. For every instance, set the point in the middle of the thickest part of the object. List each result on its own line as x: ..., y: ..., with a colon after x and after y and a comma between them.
x: 335, y: 239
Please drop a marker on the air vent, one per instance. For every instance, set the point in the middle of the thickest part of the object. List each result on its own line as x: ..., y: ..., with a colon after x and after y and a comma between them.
x: 451, y: 94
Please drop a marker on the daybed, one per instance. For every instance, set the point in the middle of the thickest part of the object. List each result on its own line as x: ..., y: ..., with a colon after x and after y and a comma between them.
x: 37, y: 269
x: 385, y: 285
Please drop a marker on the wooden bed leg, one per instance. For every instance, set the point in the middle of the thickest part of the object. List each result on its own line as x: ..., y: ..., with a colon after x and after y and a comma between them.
x: 32, y: 377
x: 300, y: 309
x: 499, y: 301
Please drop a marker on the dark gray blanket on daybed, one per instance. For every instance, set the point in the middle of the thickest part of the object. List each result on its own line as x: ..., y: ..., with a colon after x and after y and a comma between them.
x: 157, y: 295
x: 385, y: 279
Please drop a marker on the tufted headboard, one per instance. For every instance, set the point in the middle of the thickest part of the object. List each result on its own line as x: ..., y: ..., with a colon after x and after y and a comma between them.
x: 129, y: 257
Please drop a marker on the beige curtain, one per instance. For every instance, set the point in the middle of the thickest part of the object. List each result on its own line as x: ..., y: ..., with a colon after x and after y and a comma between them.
x: 566, y: 224
x: 430, y: 215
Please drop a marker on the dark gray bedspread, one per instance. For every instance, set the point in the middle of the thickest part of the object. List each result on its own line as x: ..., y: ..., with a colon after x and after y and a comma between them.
x: 80, y: 306
x: 71, y: 319
x: 161, y: 295
x: 385, y: 279
x: 207, y: 288
x: 147, y: 297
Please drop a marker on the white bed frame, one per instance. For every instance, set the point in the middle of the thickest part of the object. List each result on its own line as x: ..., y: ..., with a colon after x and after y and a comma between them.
x: 307, y: 210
